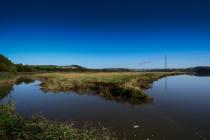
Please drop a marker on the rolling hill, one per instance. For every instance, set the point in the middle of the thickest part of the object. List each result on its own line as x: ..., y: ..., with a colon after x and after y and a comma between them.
x: 6, y: 65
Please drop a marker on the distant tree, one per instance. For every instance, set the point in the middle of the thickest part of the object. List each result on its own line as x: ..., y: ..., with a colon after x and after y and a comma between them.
x: 24, y: 68
x: 20, y: 67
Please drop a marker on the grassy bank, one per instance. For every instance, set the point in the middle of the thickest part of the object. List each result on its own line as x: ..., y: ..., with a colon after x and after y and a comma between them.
x: 120, y: 86
x: 15, y: 127
x: 6, y: 77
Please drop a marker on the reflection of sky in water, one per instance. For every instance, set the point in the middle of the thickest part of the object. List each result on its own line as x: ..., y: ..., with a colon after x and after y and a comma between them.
x: 180, y: 109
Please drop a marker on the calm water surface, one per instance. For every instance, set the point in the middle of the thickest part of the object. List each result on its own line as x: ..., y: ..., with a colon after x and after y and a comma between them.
x: 180, y: 111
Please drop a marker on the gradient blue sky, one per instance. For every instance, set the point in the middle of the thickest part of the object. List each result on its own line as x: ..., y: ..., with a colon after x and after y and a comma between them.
x: 126, y: 33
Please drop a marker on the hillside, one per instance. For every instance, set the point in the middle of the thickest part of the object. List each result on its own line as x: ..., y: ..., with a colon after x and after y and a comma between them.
x: 202, y: 70
x: 6, y: 65
x: 49, y: 68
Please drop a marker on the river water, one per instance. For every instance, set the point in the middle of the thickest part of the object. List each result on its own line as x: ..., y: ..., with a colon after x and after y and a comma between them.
x: 180, y: 110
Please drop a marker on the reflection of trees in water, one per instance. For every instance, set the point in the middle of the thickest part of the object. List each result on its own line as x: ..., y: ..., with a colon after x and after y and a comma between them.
x: 5, y: 90
x: 25, y: 80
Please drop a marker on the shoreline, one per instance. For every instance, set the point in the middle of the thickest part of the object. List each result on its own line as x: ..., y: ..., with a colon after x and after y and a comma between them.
x: 123, y: 87
x: 119, y: 86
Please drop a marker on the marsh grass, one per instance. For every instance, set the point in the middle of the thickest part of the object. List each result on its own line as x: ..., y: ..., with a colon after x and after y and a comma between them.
x: 120, y: 86
x: 6, y: 77
x: 15, y: 127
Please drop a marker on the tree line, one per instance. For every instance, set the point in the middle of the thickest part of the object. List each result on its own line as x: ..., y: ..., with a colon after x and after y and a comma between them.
x: 7, y: 65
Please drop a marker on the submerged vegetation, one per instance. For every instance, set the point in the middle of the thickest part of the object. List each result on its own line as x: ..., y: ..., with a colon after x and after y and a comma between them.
x: 15, y: 127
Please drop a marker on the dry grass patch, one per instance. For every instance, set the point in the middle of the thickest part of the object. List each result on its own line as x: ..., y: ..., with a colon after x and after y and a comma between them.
x: 120, y: 86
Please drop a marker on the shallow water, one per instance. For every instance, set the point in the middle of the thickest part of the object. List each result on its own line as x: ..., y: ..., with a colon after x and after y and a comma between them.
x: 180, y: 110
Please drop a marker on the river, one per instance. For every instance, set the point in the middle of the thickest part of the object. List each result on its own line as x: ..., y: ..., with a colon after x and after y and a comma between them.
x: 180, y: 109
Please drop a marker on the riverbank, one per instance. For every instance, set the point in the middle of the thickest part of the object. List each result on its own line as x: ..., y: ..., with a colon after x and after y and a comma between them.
x: 15, y: 127
x: 7, y: 78
x: 120, y: 86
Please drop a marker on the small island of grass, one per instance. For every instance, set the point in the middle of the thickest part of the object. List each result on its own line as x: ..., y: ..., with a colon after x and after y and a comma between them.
x: 119, y: 86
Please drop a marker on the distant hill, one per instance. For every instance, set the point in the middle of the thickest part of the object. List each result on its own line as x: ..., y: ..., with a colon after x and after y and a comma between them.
x: 6, y: 65
x: 116, y: 69
x: 48, y: 68
x: 74, y: 67
x: 202, y: 70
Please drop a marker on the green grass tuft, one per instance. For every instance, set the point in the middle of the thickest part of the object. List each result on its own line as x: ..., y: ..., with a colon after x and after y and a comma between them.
x: 15, y: 127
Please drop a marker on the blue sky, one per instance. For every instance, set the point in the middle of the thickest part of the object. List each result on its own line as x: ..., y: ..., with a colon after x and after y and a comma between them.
x: 134, y: 34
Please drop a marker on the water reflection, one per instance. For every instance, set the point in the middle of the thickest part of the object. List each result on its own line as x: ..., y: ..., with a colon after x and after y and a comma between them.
x: 5, y: 91
x: 25, y: 80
